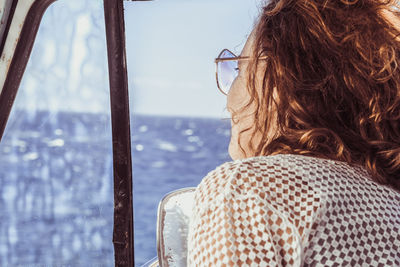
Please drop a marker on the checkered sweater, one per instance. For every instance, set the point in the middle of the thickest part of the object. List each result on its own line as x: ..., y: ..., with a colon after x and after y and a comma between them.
x: 291, y: 210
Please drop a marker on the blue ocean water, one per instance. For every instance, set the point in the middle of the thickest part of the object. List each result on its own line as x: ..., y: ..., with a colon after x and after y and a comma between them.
x: 56, y: 189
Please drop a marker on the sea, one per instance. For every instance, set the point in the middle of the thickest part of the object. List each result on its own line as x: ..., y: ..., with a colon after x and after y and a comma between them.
x: 56, y: 183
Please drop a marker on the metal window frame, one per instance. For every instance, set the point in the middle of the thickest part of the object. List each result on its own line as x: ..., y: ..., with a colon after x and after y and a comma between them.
x: 8, y: 8
x: 123, y: 236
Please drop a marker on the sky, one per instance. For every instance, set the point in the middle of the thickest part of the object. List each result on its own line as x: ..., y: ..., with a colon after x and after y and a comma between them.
x: 171, y: 47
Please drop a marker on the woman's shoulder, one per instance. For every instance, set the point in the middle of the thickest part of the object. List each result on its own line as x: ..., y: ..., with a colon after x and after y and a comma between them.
x: 283, y: 167
x: 286, y: 176
x: 301, y: 190
x: 256, y: 175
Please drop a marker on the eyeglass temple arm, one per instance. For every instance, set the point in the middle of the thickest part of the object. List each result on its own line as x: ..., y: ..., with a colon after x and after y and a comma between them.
x: 236, y: 58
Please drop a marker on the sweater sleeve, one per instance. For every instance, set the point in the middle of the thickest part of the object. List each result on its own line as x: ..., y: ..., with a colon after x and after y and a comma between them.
x: 235, y: 223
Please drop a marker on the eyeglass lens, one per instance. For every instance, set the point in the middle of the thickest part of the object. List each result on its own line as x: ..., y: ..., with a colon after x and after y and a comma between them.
x: 227, y: 71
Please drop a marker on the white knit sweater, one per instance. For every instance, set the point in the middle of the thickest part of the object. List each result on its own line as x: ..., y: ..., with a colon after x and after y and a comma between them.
x: 292, y: 210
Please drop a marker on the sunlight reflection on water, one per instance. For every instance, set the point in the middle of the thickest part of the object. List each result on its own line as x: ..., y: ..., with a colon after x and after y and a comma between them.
x: 57, y: 199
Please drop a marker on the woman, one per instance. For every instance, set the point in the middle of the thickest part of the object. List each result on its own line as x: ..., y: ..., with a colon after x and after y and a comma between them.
x: 316, y: 142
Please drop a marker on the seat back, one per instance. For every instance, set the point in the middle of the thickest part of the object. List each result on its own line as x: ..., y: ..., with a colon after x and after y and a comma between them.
x: 174, y: 212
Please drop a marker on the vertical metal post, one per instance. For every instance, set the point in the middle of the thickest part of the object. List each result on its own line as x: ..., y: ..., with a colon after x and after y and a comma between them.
x: 123, y: 197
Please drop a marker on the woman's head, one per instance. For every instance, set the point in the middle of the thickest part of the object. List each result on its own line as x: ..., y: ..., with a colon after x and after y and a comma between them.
x: 330, y: 86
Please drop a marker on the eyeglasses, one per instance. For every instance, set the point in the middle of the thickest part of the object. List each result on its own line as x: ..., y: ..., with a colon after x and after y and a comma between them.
x: 227, y: 69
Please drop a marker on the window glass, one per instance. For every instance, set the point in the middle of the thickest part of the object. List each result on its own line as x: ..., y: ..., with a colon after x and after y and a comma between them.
x: 56, y: 192
x: 180, y: 128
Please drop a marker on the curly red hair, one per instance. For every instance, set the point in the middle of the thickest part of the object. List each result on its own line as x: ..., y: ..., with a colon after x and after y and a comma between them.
x: 332, y: 75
